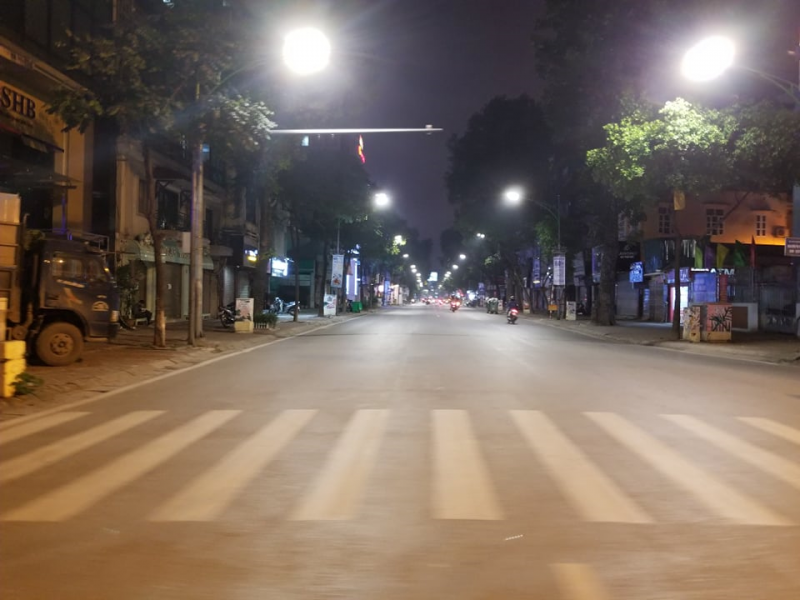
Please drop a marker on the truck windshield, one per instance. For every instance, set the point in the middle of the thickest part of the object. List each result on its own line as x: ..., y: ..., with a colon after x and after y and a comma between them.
x: 91, y: 269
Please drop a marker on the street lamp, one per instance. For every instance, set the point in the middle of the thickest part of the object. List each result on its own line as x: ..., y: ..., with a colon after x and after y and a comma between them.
x: 306, y: 51
x: 708, y: 59
x: 480, y: 235
x: 462, y: 256
x: 405, y: 255
x: 455, y: 267
x: 513, y: 196
x: 382, y: 200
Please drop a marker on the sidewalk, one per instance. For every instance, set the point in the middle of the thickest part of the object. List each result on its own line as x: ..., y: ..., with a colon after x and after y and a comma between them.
x: 131, y: 358
x: 762, y: 347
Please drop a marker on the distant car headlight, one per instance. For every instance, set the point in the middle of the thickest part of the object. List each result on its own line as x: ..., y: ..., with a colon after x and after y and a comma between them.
x: 114, y: 316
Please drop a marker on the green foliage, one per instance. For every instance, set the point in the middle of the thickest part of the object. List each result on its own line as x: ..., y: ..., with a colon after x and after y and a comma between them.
x: 25, y: 383
x: 265, y: 321
x: 681, y: 148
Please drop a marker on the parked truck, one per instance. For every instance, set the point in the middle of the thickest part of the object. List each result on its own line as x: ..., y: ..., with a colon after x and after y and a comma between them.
x: 56, y: 286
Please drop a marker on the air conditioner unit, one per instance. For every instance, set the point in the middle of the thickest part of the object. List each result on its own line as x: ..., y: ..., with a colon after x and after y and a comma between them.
x: 780, y: 232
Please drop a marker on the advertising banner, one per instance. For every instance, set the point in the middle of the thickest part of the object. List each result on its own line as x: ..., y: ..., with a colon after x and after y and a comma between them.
x: 559, y: 269
x: 244, y: 309
x: 329, y: 310
x: 337, y: 270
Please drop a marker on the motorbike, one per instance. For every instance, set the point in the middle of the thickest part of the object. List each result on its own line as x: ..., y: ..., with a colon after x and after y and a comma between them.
x: 512, y: 316
x: 454, y: 306
x: 279, y: 307
x: 227, y: 315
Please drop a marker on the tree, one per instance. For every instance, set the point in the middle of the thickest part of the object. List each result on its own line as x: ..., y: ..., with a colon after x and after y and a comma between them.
x: 507, y: 144
x: 321, y: 191
x: 591, y: 55
x: 154, y: 74
x: 680, y: 150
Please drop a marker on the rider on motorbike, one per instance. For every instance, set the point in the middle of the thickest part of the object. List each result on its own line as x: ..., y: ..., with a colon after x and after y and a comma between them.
x: 512, y: 303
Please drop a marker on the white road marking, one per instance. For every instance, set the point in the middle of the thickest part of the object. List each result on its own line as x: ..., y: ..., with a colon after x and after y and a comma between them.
x: 13, y: 430
x: 210, y: 494
x: 64, y: 448
x: 719, y: 497
x: 85, y: 491
x: 770, y: 426
x: 769, y: 462
x: 462, y: 485
x: 339, y: 489
x: 578, y: 582
x: 591, y: 492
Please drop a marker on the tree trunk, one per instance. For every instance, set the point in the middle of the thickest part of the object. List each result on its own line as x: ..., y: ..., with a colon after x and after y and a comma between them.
x: 676, y: 310
x: 160, y: 321
x: 196, y: 268
x: 296, y: 252
x: 606, y: 290
x: 323, y: 273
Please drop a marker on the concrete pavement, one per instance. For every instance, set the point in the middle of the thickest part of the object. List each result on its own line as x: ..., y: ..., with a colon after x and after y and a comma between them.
x: 417, y: 454
x: 131, y: 358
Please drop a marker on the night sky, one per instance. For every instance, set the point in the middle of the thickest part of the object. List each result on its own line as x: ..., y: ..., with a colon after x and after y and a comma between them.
x: 409, y: 63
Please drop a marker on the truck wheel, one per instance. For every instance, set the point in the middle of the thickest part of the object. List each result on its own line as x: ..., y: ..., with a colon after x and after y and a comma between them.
x: 59, y: 344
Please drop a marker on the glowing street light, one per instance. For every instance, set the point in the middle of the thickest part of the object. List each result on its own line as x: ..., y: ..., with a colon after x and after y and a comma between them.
x: 480, y: 235
x: 405, y: 255
x: 306, y: 51
x: 513, y: 195
x: 455, y: 267
x: 382, y: 200
x: 398, y: 239
x: 462, y: 256
x: 708, y: 59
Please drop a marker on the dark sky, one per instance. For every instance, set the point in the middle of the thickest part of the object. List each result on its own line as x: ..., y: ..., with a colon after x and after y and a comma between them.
x: 409, y: 63
x: 440, y: 62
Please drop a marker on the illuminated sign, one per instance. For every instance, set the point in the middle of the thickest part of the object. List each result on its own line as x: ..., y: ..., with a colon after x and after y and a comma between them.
x: 434, y: 276
x: 251, y: 256
x: 279, y: 267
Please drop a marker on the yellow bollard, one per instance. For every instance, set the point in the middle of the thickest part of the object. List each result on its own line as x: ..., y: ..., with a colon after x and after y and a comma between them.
x: 12, y: 357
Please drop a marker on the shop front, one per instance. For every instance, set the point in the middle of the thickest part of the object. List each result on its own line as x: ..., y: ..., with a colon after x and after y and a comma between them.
x: 39, y: 162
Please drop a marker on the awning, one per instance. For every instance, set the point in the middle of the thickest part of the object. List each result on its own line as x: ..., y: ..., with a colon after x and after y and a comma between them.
x: 18, y: 176
x: 32, y: 136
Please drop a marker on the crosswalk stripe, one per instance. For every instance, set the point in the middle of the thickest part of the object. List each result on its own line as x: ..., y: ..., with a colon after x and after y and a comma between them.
x: 776, y: 429
x: 338, y: 491
x: 712, y: 492
x: 209, y: 495
x: 30, y: 427
x: 85, y: 491
x: 64, y: 448
x: 577, y: 581
x: 462, y: 485
x: 592, y: 494
x: 769, y: 462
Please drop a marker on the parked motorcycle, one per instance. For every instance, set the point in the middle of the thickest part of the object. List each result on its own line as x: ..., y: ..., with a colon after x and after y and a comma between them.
x: 279, y: 307
x: 227, y: 315
x: 512, y: 316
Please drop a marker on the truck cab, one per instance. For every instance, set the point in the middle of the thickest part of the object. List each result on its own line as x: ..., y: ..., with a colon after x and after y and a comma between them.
x: 60, y: 294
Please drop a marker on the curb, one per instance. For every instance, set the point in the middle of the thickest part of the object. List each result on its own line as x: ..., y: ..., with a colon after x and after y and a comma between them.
x: 676, y: 346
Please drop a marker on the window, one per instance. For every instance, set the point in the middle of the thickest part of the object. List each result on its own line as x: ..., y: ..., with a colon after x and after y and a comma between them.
x: 143, y: 203
x: 67, y: 267
x: 761, y: 225
x: 714, y: 221
x: 664, y: 220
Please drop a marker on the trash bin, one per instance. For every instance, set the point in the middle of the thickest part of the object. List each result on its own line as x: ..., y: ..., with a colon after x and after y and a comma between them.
x: 356, y: 306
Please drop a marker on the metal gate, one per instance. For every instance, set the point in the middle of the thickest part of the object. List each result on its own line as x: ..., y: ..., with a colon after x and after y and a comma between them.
x: 776, y: 308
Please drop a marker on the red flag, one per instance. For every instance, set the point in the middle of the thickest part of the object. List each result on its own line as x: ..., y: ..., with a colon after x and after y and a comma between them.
x: 752, y: 251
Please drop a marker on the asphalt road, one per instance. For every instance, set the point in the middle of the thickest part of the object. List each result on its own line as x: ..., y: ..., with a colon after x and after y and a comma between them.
x: 415, y: 454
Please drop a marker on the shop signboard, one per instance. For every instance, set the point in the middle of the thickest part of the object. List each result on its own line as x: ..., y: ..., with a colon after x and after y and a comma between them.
x: 337, y: 270
x: 792, y: 247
